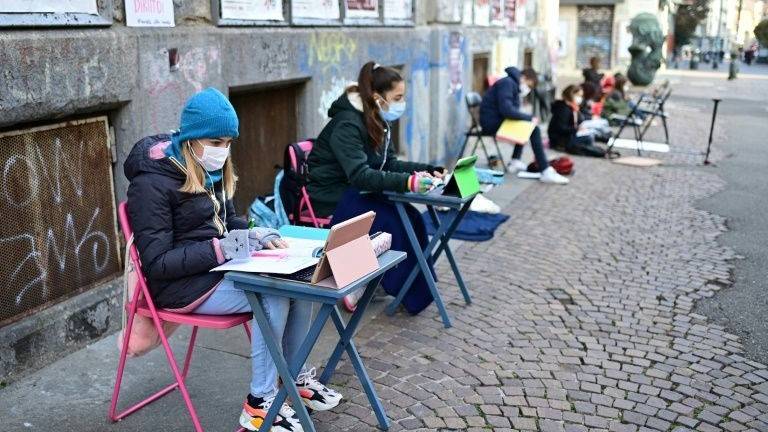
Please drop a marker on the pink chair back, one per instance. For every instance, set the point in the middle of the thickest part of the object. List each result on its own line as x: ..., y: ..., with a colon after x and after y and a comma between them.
x: 125, y: 226
x: 305, y: 205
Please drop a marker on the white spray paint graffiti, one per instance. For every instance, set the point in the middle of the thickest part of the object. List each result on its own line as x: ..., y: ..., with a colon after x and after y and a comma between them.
x: 67, y: 249
x: 38, y: 258
x: 330, y: 94
x: 52, y: 173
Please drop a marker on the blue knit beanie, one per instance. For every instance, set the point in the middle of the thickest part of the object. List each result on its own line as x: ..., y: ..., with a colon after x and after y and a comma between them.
x: 207, y: 114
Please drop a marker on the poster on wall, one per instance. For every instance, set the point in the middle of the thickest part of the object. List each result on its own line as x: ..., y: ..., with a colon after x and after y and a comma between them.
x: 254, y: 10
x: 49, y: 6
x: 482, y: 12
x: 509, y: 13
x: 315, y: 9
x: 152, y: 13
x: 456, y: 61
x: 362, y: 8
x: 467, y: 12
x: 563, y: 35
x: 398, y: 9
x: 520, y: 13
x: 506, y: 54
x: 497, y: 12
x: 531, y: 12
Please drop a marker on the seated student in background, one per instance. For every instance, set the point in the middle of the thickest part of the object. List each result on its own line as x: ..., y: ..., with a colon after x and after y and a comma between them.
x: 184, y: 222
x: 565, y: 130
x: 616, y: 99
x: 591, y: 95
x: 592, y: 73
x: 353, y: 161
x: 502, y: 102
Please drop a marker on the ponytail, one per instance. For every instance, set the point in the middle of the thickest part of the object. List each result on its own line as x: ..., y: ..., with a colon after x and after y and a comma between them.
x: 375, y: 79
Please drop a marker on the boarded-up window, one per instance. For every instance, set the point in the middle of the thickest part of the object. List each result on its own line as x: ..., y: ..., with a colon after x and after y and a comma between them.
x: 268, y: 123
x: 58, y: 234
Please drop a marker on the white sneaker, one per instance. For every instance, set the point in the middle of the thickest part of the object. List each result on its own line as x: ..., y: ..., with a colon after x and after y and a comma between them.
x: 481, y: 204
x: 549, y: 175
x: 516, y: 165
x: 314, y: 394
x: 252, y: 417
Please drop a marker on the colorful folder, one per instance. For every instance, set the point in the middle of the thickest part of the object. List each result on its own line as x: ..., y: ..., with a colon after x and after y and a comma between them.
x: 516, y: 132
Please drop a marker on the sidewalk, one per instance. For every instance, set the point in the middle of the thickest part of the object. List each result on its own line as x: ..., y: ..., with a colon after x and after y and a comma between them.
x: 582, y: 320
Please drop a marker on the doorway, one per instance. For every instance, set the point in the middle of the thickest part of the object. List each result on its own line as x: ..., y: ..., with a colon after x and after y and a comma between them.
x: 268, y: 123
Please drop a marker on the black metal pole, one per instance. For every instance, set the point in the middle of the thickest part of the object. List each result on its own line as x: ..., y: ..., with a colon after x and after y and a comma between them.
x: 711, y: 129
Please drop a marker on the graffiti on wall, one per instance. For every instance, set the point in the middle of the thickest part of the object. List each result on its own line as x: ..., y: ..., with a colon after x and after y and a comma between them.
x: 456, y: 61
x: 62, y: 234
x: 328, y: 50
x: 169, y: 88
x: 330, y: 93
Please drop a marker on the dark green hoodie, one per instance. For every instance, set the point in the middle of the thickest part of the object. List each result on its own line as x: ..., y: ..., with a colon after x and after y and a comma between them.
x: 343, y: 156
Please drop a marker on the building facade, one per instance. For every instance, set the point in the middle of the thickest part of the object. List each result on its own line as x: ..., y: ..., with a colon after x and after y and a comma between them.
x: 80, y: 86
x: 588, y: 28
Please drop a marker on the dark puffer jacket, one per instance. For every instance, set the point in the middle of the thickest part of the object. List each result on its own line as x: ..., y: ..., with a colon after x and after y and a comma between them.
x: 563, y: 125
x: 174, y: 231
x: 343, y: 156
x: 501, y: 102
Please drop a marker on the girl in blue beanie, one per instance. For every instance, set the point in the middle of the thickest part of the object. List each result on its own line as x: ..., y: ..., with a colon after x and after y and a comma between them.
x: 184, y: 223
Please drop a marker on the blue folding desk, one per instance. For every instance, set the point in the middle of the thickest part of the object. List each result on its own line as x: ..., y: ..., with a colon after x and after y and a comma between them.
x: 458, y: 207
x: 256, y: 285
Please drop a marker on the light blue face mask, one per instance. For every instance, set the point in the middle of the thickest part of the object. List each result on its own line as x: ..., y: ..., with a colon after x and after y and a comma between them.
x: 395, y: 111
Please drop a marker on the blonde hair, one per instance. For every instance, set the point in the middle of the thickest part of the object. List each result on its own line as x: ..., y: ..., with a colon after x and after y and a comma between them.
x: 196, y: 176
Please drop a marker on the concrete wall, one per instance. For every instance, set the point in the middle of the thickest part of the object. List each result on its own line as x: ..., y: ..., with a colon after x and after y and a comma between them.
x: 48, y: 74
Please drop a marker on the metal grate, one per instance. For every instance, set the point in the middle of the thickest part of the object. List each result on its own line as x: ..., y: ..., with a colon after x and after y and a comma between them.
x: 595, y: 30
x: 58, y: 233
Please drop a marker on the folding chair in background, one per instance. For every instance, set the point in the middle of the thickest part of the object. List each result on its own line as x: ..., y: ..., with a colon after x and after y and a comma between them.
x: 473, y: 101
x: 632, y: 120
x: 141, y: 303
x: 656, y: 109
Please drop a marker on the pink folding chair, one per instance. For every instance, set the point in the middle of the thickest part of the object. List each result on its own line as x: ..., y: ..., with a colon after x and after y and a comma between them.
x: 306, y: 212
x: 141, y: 303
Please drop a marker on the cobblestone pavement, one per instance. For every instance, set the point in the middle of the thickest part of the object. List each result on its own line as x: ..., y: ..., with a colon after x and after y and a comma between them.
x: 582, y: 319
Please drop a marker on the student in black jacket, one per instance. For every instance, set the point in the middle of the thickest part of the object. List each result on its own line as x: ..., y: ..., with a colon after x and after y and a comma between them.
x: 592, y: 73
x: 565, y: 131
x: 353, y: 161
x: 184, y: 224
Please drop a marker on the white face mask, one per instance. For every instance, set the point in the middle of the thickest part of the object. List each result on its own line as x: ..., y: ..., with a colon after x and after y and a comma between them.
x: 578, y: 100
x: 213, y: 158
x: 524, y: 89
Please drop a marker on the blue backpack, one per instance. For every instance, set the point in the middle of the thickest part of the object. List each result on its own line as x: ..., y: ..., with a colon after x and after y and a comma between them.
x: 268, y: 211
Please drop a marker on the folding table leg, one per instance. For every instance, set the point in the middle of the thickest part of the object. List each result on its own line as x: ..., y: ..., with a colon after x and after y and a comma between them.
x: 422, y: 264
x: 346, y: 334
x: 452, y: 225
x: 288, y: 375
x: 354, y: 321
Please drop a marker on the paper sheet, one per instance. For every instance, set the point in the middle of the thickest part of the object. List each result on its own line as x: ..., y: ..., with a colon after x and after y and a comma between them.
x: 644, y: 145
x: 267, y: 264
x: 300, y: 243
x: 55, y: 6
